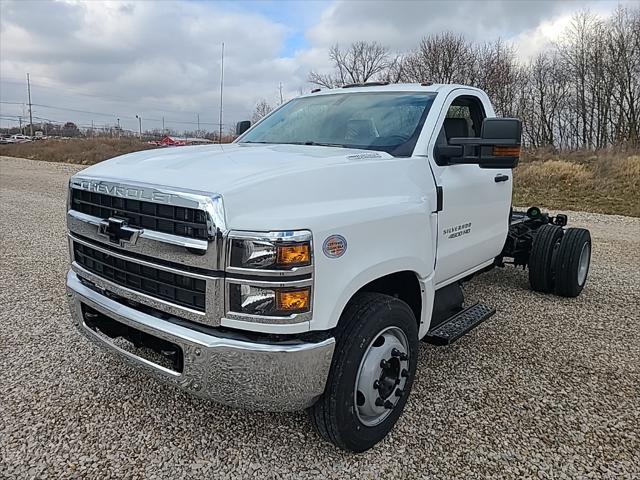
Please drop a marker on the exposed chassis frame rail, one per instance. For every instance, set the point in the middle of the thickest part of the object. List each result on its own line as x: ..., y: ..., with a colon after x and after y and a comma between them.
x: 523, y: 227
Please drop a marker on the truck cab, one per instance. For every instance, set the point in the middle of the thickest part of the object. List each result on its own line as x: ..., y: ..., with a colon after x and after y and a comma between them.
x: 298, y: 267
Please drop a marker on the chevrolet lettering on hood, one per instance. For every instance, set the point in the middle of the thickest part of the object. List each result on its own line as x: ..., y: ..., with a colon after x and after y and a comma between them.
x: 123, y: 191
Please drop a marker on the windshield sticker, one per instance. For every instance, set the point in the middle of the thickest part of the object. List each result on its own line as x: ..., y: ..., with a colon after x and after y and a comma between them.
x: 334, y: 246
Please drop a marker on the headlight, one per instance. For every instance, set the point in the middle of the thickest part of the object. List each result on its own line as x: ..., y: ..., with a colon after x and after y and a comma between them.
x: 270, y: 250
x: 252, y: 300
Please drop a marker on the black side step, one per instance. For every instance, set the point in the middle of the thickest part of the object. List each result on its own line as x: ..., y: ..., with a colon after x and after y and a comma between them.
x: 456, y: 326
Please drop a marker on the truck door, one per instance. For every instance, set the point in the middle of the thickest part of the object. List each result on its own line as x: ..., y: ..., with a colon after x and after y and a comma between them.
x: 473, y: 222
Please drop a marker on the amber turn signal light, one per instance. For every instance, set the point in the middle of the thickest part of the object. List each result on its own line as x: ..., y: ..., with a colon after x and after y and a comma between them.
x: 294, y: 255
x: 293, y: 300
x: 504, y: 151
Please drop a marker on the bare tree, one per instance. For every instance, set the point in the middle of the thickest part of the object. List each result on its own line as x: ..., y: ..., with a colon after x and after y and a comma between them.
x: 262, y: 109
x: 582, y: 93
x: 359, y: 63
x: 441, y: 58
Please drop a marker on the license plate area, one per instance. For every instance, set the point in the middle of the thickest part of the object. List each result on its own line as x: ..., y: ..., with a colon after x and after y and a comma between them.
x: 161, y: 352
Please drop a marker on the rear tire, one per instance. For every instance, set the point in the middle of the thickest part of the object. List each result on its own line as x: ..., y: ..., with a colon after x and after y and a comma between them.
x: 572, y: 262
x: 346, y: 415
x: 541, y: 265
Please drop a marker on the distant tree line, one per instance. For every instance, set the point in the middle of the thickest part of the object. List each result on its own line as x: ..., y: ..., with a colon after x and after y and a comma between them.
x: 583, y: 93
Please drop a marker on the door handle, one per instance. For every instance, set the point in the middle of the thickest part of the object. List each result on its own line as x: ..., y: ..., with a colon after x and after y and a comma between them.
x: 501, y: 178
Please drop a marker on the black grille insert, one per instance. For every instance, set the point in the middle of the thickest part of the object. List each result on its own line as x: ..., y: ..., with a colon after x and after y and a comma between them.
x: 173, y: 287
x: 186, y: 222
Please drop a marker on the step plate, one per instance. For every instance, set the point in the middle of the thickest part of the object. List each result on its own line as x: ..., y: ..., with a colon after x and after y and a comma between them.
x: 456, y: 326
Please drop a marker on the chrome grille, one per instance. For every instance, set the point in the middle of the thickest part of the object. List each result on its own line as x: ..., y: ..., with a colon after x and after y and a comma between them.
x: 171, y: 219
x: 175, y: 288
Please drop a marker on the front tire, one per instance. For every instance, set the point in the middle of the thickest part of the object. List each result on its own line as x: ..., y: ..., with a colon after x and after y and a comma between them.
x: 371, y: 373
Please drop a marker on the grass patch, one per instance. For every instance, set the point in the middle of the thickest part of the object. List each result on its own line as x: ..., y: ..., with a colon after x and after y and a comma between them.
x: 600, y: 183
x: 83, y: 151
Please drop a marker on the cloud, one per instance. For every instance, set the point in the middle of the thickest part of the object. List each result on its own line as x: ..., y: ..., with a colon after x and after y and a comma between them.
x: 401, y: 24
x: 121, y: 58
x: 155, y: 56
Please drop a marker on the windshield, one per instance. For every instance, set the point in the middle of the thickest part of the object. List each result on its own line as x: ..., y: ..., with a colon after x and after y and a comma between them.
x: 390, y: 122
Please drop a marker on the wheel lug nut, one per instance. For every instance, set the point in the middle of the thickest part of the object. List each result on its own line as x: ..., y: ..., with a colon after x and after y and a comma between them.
x: 404, y: 373
x: 384, y: 363
x: 388, y: 405
x: 379, y: 402
x: 397, y: 381
x: 376, y: 384
x: 395, y: 352
x: 403, y: 357
x: 399, y: 393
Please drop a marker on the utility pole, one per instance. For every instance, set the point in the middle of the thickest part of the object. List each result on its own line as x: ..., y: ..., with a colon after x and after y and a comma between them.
x: 20, y: 120
x: 221, y: 90
x: 118, y: 127
x: 281, y: 99
x: 30, y: 113
x: 198, y: 115
x: 163, y: 125
x: 139, y: 127
x: 93, y: 133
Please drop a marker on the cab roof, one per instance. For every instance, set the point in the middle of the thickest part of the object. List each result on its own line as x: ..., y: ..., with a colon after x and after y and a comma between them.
x: 389, y: 87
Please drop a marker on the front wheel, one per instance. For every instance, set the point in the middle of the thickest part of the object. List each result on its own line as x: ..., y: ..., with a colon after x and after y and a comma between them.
x: 371, y: 373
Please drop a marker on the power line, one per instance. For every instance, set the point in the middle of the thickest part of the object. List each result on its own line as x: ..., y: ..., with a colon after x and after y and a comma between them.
x: 101, y: 97
x: 115, y: 115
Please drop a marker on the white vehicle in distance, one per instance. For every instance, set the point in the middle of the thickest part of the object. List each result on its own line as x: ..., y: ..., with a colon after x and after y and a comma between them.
x: 299, y: 267
x: 19, y: 138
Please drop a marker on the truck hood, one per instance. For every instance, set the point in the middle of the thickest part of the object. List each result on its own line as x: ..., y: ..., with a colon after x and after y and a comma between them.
x: 264, y: 187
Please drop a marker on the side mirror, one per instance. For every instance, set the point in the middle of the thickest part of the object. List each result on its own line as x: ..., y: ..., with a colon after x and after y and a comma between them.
x: 497, y: 147
x: 242, y: 127
x: 503, y: 137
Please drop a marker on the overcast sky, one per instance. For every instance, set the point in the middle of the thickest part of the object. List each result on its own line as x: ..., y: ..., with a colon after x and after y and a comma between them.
x: 154, y: 59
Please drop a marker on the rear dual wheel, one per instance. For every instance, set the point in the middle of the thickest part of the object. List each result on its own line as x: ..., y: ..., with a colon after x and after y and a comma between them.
x: 559, y: 260
x: 372, y: 372
x: 541, y: 259
x: 572, y: 262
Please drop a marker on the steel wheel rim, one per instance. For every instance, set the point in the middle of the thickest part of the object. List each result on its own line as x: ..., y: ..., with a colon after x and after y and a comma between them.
x: 379, y: 386
x: 583, y: 263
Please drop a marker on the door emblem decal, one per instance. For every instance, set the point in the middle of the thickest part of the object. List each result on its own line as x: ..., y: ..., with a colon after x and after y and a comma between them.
x: 457, y: 231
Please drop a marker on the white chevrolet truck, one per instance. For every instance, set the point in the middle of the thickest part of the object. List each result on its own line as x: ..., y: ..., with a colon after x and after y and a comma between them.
x: 299, y: 267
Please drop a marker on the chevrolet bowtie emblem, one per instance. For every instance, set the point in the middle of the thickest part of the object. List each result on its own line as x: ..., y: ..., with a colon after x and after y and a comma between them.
x: 118, y: 231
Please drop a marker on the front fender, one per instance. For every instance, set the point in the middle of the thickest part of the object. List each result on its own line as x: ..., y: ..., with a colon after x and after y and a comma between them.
x: 378, y: 247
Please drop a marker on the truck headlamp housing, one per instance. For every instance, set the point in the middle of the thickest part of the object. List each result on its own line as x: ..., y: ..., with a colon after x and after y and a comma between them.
x: 253, y: 300
x: 270, y: 276
x: 270, y: 250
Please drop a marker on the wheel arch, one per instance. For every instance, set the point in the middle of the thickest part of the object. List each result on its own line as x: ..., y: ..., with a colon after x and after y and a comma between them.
x: 406, y: 285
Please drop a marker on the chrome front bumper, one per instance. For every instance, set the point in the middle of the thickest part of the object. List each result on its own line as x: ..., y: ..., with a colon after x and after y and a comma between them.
x: 282, y: 376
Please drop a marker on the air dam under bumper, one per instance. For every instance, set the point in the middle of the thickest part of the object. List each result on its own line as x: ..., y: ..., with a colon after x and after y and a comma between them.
x: 258, y: 376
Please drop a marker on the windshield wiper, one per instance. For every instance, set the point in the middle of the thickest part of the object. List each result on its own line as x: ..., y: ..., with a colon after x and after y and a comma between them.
x: 317, y: 144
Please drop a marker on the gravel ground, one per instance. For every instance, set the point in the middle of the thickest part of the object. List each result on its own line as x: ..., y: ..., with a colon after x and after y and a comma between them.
x: 548, y: 387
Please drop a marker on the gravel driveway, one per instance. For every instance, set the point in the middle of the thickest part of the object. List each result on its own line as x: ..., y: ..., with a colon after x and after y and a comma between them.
x: 548, y: 387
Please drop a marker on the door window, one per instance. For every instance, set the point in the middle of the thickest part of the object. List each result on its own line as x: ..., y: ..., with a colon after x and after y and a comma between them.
x: 464, y: 119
